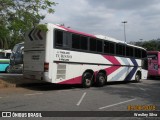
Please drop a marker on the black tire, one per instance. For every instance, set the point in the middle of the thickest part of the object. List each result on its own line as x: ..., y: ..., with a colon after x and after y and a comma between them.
x: 137, y: 77
x: 7, y: 70
x: 101, y: 79
x: 87, y: 80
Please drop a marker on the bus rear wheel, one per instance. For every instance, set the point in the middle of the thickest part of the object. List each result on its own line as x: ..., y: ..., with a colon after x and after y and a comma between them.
x: 87, y: 80
x: 101, y: 79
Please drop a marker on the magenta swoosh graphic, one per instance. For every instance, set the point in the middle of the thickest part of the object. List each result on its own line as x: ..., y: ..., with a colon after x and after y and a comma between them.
x: 114, y: 61
x: 110, y: 70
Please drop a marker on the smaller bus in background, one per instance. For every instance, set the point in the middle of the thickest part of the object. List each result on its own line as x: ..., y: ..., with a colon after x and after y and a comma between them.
x: 153, y: 63
x: 4, y: 60
x: 16, y: 58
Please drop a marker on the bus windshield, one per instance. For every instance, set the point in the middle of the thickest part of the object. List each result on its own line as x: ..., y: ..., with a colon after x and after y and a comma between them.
x: 15, y: 48
x: 152, y: 56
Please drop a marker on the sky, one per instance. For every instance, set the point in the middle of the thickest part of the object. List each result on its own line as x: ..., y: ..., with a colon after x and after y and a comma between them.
x: 105, y: 17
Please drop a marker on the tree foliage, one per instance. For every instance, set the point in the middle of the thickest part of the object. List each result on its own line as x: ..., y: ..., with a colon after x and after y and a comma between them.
x: 17, y: 16
x: 151, y: 45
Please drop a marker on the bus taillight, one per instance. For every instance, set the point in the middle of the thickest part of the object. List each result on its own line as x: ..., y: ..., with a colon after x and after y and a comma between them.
x: 46, y: 67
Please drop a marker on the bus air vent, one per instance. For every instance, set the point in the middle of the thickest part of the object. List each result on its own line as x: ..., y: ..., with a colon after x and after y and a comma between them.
x: 61, y: 71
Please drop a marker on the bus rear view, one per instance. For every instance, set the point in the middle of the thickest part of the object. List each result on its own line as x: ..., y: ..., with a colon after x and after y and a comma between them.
x: 153, y: 63
x: 35, y: 59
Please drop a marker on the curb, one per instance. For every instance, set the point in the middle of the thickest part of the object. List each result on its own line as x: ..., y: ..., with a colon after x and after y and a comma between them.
x: 13, y: 82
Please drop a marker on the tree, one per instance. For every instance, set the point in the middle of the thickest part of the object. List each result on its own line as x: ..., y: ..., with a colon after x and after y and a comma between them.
x: 18, y: 16
x: 151, y: 45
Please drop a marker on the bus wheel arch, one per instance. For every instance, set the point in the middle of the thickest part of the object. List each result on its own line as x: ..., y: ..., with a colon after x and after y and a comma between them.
x: 138, y: 76
x: 87, y: 78
x: 101, y: 78
x: 7, y: 70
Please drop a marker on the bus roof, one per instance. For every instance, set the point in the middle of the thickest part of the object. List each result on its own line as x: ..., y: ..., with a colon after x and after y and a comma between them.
x: 5, y: 51
x: 152, y: 52
x: 94, y: 36
x: 21, y: 43
x: 8, y: 51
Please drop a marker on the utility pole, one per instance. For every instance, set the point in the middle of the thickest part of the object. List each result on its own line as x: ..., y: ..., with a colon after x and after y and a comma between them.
x: 124, y: 22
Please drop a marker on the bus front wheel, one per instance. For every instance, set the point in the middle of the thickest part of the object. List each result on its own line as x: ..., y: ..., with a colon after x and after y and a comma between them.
x: 87, y: 80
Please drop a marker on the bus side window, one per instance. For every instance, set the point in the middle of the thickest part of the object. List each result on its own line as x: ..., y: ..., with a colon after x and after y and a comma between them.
x: 76, y: 41
x: 109, y: 47
x: 66, y: 38
x: 129, y: 51
x: 99, y: 45
x: 137, y: 53
x: 112, y: 48
x: 59, y: 38
x: 93, y: 44
x: 84, y: 43
x: 62, y: 39
x: 106, y: 47
x: 120, y: 49
x: 144, y: 54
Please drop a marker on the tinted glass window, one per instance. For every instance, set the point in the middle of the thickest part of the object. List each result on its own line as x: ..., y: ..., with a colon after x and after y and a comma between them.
x: 59, y: 38
x: 129, y: 51
x: 106, y: 47
x: 144, y: 54
x: 137, y: 53
x: 66, y: 38
x: 120, y: 49
x: 109, y: 47
x: 152, y: 56
x: 93, y: 44
x: 62, y: 38
x: 75, y: 41
x: 84, y: 43
x: 112, y: 48
x: 99, y: 45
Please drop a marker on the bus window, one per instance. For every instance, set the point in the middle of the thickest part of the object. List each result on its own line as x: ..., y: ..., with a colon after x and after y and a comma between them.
x: 62, y: 39
x: 66, y: 38
x: 92, y: 44
x: 120, y: 49
x: 129, y: 51
x: 112, y: 48
x: 144, y: 54
x: 76, y: 41
x: 99, y: 45
x: 152, y: 57
x: 109, y: 47
x: 106, y: 47
x: 84, y: 43
x: 59, y: 38
x: 137, y: 53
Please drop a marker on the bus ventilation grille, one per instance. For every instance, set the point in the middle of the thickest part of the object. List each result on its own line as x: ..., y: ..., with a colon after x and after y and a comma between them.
x: 61, y: 71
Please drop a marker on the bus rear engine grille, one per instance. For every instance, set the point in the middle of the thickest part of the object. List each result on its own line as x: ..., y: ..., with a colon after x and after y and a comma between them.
x: 61, y: 71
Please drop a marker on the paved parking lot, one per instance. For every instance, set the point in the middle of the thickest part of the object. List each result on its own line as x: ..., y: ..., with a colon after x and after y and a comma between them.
x: 112, y: 97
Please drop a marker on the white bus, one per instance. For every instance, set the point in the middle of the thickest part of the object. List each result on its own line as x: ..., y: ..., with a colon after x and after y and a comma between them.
x: 65, y: 56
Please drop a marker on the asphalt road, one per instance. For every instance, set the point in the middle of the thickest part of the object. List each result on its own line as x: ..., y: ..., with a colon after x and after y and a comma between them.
x: 112, y: 97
